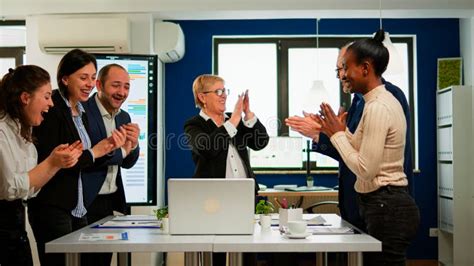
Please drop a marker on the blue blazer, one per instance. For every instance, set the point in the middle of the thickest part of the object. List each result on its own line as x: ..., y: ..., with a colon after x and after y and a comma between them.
x: 93, y: 178
x: 347, y: 195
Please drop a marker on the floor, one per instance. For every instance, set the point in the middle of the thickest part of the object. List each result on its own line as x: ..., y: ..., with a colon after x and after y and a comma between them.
x: 177, y: 259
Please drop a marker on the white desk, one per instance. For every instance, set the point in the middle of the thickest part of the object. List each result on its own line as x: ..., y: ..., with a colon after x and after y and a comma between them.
x: 152, y: 240
x: 139, y: 240
x: 273, y: 241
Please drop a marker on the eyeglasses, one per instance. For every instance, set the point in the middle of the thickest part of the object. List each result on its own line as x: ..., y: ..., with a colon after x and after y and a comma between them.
x: 338, y: 69
x: 218, y: 92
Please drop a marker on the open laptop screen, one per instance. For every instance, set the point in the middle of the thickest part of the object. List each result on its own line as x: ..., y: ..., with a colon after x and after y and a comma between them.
x: 211, y: 206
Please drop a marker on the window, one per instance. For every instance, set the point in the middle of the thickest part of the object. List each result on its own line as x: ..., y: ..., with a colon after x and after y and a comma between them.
x: 284, y: 77
x: 12, y: 45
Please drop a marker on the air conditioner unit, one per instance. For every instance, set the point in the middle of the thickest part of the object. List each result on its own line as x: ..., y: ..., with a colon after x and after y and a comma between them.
x: 169, y: 41
x: 58, y: 35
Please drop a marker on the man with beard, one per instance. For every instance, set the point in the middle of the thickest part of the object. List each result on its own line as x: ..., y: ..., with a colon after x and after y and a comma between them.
x: 103, y: 185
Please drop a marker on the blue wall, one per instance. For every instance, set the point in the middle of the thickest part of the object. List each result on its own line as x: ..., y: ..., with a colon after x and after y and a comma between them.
x: 198, y: 60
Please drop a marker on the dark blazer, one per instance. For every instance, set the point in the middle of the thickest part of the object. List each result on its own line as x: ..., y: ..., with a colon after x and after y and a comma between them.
x: 209, y: 145
x: 93, y: 178
x: 58, y: 128
x: 347, y: 195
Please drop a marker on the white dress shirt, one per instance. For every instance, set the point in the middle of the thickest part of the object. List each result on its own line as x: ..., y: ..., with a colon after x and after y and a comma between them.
x: 17, y: 158
x: 109, y: 185
x: 234, y: 164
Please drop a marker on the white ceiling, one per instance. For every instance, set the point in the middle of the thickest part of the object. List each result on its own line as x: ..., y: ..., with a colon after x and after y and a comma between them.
x: 244, y: 9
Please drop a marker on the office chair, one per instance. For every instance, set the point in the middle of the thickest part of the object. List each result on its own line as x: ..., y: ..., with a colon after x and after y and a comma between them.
x: 333, y: 258
x: 310, y: 209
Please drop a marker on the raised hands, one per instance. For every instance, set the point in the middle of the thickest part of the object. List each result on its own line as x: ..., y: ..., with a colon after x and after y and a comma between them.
x: 242, y: 105
x: 246, y: 106
x: 306, y: 125
x: 237, y: 113
x: 132, y: 133
x: 116, y: 140
x: 126, y: 136
x: 330, y: 122
x: 65, y: 155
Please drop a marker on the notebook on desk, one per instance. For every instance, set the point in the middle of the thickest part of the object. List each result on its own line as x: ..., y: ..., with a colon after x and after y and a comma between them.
x: 211, y: 206
x: 304, y: 188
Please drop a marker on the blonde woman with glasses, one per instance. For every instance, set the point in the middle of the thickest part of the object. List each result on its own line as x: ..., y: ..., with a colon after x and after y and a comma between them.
x: 219, y: 140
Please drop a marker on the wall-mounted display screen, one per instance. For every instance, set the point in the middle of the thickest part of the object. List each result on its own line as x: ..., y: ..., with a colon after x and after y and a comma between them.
x: 139, y: 181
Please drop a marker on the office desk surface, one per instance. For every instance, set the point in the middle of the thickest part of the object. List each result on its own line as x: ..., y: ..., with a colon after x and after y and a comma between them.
x: 153, y: 240
x: 270, y: 192
x: 272, y: 241
x: 139, y: 240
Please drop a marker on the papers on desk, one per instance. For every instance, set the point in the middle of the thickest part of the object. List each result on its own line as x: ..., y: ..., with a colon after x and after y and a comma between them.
x: 284, y: 187
x: 131, y: 221
x: 317, y: 220
x: 134, y: 218
x: 304, y: 188
x: 316, y: 230
x: 103, y: 236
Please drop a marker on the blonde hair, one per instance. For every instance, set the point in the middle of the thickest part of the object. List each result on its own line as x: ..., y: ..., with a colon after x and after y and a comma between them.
x: 201, y: 83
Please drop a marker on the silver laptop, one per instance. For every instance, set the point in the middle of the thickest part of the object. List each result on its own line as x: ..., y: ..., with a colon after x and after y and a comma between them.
x: 200, y: 206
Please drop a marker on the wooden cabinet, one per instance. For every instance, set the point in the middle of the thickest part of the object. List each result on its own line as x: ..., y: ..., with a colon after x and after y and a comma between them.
x: 455, y: 176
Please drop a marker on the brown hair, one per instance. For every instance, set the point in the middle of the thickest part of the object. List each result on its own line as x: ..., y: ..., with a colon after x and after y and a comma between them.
x: 104, y: 72
x: 27, y: 79
x: 70, y: 63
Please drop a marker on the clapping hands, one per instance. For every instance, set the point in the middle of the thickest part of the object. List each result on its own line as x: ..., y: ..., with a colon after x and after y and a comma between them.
x: 306, y: 125
x: 329, y: 121
x: 242, y: 105
x: 310, y: 125
x: 65, y: 155
x: 126, y: 136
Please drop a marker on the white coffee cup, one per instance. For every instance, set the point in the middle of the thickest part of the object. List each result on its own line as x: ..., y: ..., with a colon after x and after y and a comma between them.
x: 286, y: 215
x: 297, y: 227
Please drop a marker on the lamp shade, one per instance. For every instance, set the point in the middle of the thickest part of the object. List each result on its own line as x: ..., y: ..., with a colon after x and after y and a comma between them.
x: 317, y: 95
x: 395, y: 63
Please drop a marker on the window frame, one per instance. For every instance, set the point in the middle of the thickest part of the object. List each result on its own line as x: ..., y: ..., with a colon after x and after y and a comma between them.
x: 284, y: 43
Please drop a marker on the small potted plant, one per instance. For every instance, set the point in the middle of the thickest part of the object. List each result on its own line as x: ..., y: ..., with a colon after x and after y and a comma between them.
x: 162, y: 215
x: 309, y: 181
x: 264, y: 208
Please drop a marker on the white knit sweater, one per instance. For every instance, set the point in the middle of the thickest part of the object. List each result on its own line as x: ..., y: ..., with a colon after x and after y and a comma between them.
x: 374, y: 153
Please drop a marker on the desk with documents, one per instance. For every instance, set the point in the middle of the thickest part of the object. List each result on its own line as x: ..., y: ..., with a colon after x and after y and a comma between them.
x: 153, y: 240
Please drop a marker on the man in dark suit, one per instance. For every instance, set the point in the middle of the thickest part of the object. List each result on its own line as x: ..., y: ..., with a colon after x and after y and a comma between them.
x: 306, y: 126
x: 103, y: 184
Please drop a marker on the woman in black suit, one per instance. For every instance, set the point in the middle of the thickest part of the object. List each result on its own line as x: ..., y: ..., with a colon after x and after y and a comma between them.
x: 219, y: 141
x: 58, y: 209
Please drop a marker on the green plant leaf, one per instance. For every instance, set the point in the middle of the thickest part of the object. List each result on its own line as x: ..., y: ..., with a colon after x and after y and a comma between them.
x: 264, y: 207
x: 161, y: 212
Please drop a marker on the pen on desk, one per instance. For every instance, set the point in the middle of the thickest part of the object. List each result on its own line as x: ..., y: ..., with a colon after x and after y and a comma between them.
x: 278, y: 202
x: 144, y: 222
x: 284, y: 203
